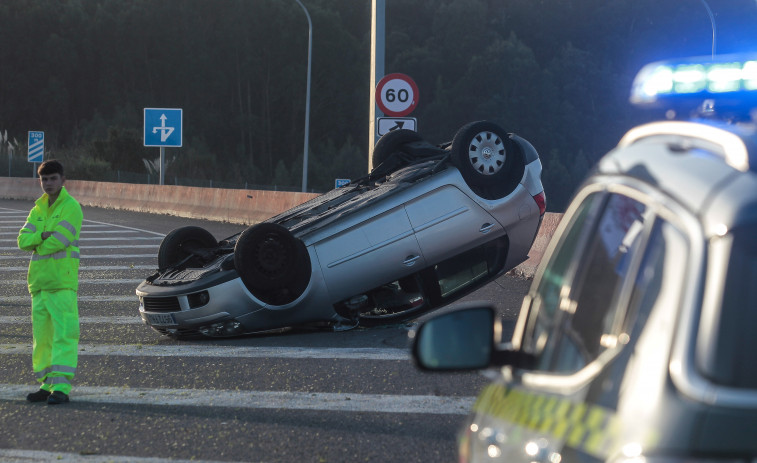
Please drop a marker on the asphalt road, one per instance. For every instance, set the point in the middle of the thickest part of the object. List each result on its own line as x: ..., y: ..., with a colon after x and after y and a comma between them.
x: 303, y: 395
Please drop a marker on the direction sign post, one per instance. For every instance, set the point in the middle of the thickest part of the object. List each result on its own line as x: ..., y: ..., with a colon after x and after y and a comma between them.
x: 396, y: 96
x: 163, y: 128
x: 36, y: 151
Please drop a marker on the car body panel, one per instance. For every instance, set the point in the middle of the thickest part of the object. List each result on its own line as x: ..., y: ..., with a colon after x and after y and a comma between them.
x: 449, y: 224
x: 375, y: 251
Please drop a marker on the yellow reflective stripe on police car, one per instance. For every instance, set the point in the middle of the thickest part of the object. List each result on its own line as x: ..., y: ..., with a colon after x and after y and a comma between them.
x: 589, y: 428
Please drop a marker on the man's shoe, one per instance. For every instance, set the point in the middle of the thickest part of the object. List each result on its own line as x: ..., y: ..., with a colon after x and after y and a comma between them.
x: 39, y: 396
x: 56, y: 398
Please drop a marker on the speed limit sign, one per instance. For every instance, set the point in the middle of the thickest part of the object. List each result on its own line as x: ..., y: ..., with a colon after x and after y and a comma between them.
x: 396, y: 95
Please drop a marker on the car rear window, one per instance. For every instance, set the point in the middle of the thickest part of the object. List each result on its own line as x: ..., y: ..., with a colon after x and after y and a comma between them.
x: 735, y: 341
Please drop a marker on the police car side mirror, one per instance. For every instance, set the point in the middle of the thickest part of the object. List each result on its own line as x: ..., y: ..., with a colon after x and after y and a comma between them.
x: 466, y: 338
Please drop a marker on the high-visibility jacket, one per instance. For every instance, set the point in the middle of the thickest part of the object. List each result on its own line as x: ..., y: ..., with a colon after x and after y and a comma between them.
x: 55, y: 261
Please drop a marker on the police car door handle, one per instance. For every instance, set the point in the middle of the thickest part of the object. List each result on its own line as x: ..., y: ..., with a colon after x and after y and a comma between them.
x: 486, y: 228
x: 410, y: 260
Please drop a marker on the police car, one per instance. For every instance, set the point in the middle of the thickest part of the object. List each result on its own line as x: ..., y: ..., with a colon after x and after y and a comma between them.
x: 430, y: 223
x: 636, y: 339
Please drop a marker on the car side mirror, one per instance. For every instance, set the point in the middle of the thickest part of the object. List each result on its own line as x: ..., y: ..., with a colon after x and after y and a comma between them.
x: 467, y: 338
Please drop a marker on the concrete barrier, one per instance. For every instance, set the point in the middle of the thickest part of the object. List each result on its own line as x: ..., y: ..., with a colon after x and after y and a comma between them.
x: 548, y: 225
x: 246, y: 207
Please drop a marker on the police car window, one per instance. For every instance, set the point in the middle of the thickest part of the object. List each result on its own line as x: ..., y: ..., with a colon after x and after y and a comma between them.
x: 657, y: 284
x: 555, y: 279
x: 659, y: 281
x: 735, y: 342
x: 588, y: 328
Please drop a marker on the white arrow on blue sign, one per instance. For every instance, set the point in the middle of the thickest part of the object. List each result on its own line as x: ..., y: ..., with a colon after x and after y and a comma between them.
x: 36, y: 146
x: 163, y: 127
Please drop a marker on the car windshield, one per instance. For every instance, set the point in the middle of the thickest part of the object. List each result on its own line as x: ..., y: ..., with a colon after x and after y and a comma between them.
x: 735, y: 342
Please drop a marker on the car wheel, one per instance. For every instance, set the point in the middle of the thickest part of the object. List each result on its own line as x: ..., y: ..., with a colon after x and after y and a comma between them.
x: 181, y: 243
x: 391, y: 142
x: 491, y: 163
x: 272, y: 263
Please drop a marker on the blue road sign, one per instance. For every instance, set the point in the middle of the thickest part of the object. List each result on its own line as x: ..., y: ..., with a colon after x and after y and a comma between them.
x: 163, y: 127
x: 36, y: 146
x: 340, y: 182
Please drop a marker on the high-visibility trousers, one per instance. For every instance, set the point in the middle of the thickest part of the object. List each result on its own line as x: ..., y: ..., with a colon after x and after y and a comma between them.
x: 55, y: 326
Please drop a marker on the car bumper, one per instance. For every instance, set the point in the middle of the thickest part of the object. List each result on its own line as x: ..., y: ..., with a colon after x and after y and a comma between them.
x: 230, y: 308
x: 182, y: 309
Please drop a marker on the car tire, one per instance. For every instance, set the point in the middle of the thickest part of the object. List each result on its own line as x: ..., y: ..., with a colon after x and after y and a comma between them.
x: 273, y: 264
x: 491, y: 163
x: 391, y: 142
x: 180, y: 243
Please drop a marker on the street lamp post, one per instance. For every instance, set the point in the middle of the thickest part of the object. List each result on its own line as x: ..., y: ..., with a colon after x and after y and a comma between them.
x: 712, y: 23
x: 307, y: 101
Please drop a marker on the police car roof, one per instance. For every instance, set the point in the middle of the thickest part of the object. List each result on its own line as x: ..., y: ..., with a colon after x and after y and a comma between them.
x: 708, y: 164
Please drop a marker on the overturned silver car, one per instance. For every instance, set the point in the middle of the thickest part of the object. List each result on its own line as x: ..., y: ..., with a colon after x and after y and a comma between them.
x: 428, y: 225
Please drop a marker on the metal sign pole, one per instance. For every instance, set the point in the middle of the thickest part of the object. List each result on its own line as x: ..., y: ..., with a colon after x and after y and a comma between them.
x: 307, y: 102
x: 378, y: 25
x: 162, y: 164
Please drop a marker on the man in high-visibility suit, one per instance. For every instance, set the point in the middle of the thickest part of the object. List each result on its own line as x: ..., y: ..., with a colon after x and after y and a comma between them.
x: 52, y: 233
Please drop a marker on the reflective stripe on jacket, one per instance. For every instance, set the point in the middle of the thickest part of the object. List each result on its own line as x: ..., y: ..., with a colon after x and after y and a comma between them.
x: 55, y: 261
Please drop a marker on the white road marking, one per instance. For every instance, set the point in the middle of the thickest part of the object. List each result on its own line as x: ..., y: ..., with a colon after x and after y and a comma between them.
x: 149, y: 232
x: 27, y: 456
x: 85, y: 268
x: 84, y: 248
x: 198, y: 350
x: 83, y: 232
x: 321, y: 401
x: 87, y: 281
x: 18, y: 299
x: 84, y: 255
x: 114, y: 320
x: 17, y: 224
x: 22, y: 215
x: 88, y: 240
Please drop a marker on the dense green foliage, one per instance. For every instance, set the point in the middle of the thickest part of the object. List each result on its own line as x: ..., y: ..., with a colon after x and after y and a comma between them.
x: 556, y: 72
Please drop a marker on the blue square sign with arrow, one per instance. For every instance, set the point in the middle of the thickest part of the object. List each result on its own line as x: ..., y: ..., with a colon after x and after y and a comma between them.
x: 163, y: 127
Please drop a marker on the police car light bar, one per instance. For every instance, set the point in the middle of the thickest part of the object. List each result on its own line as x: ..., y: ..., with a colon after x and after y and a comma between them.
x: 726, y: 76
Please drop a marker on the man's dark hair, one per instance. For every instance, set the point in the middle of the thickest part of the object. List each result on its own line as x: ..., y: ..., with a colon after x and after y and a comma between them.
x: 50, y: 167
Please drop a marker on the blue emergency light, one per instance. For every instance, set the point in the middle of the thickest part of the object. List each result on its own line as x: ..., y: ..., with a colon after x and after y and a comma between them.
x: 728, y: 80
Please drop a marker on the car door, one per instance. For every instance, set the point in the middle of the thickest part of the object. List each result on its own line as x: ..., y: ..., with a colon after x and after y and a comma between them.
x: 447, y: 222
x: 374, y: 252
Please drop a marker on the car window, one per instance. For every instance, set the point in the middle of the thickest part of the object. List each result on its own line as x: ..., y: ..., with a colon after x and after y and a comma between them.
x: 656, y: 289
x: 586, y: 324
x: 735, y: 342
x: 459, y: 273
x: 554, y: 278
x: 665, y: 252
